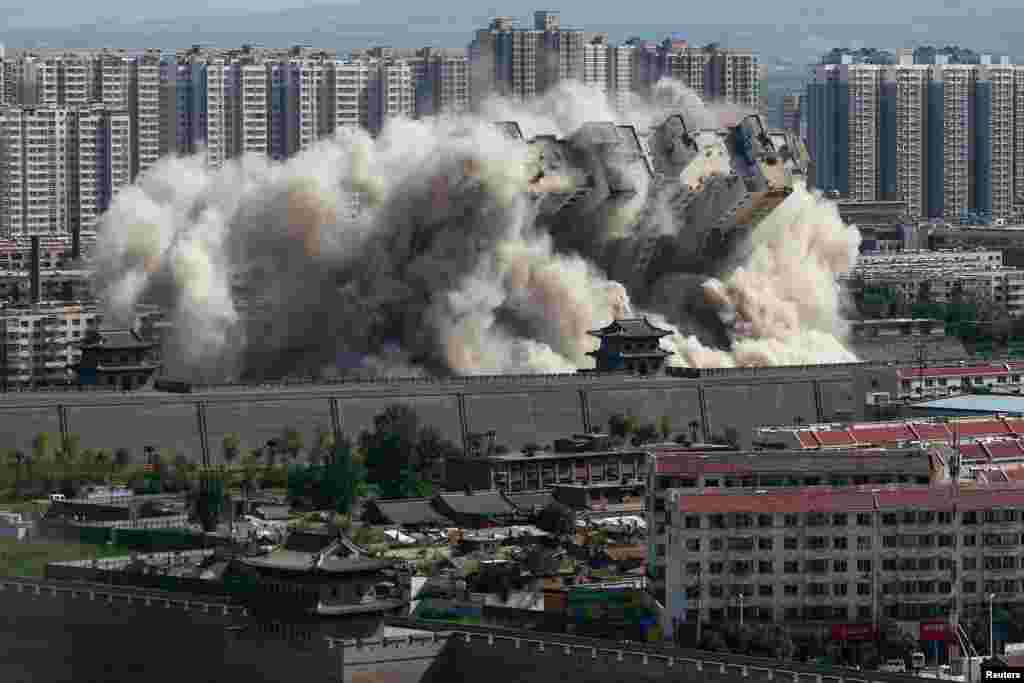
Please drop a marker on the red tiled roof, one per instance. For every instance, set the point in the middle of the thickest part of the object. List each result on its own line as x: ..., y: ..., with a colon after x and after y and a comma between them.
x: 696, y: 464
x: 1013, y: 473
x: 973, y: 451
x: 835, y: 437
x: 861, y: 499
x: 807, y: 439
x: 809, y: 499
x: 1014, y: 424
x: 1001, y: 450
x: 980, y: 427
x: 929, y: 431
x: 867, y: 433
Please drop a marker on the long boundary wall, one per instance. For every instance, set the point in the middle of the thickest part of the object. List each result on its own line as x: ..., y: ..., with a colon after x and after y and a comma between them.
x: 520, y: 409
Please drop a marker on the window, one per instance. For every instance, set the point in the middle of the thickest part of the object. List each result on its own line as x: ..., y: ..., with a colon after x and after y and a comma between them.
x: 839, y: 519
x: 890, y: 541
x: 791, y: 520
x: 791, y: 567
x: 716, y: 591
x: 789, y: 543
x: 863, y: 589
x: 970, y: 540
x: 839, y: 589
x: 717, y: 544
x: 764, y: 543
x: 839, y: 542
x: 765, y: 567
x: 692, y: 521
x: 693, y: 567
x: 890, y: 564
x: 863, y: 543
x: 947, y: 540
x: 716, y: 521
x: 764, y: 521
x: 693, y: 545
x: 970, y: 564
x: 791, y: 589
x: 863, y: 519
x: 889, y: 519
x: 864, y: 565
x: 839, y: 566
x: 715, y: 567
x: 970, y: 517
x: 766, y: 591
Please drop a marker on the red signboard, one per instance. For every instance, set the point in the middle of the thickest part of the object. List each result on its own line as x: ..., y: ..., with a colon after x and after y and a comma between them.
x: 936, y: 631
x: 853, y: 632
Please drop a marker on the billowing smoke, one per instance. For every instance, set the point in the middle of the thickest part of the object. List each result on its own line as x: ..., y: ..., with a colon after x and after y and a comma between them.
x: 422, y: 251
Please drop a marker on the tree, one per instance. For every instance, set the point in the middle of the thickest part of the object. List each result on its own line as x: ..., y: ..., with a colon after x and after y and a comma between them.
x: 399, y: 450
x: 232, y: 446
x: 323, y: 445
x: 645, y: 433
x: 557, y: 519
x: 122, y: 457
x: 292, y: 442
x: 665, y: 426
x: 70, y: 448
x: 42, y: 448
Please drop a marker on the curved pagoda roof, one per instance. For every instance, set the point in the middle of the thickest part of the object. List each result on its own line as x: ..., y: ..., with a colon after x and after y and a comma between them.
x: 633, y: 328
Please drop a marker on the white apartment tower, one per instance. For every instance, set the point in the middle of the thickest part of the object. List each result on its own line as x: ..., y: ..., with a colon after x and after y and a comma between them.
x: 1001, y: 137
x: 911, y: 110
x: 863, y: 103
x: 1018, y: 141
x: 620, y: 74
x: 251, y: 110
x: 349, y: 90
x: 595, y: 65
x: 394, y: 98
x: 113, y: 79
x: 144, y: 106
x: 100, y: 161
x: 219, y: 119
x: 957, y: 164
x: 34, y: 178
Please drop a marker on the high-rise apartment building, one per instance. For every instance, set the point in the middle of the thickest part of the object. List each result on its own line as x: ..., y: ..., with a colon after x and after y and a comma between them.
x: 945, y: 135
x: 60, y: 167
x: 595, y: 65
x: 34, y: 171
x: 440, y: 81
x: 349, y: 86
x: 113, y: 70
x: 620, y: 74
x: 505, y: 61
x: 144, y: 107
x: 100, y: 155
x: 249, y: 114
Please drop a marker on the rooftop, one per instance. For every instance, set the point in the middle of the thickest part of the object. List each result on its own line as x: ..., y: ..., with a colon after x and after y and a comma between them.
x: 549, y: 455
x: 411, y: 512
x: 977, y: 403
x: 482, y: 503
x: 118, y: 339
x: 910, y: 461
x: 630, y: 327
x: 947, y: 497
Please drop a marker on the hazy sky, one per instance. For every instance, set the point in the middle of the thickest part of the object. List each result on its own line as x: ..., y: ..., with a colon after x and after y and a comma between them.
x: 780, y: 28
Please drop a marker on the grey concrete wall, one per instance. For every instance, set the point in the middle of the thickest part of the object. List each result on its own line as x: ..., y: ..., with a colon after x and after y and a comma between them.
x: 519, y: 410
x: 172, y: 427
x: 680, y: 405
x: 518, y: 419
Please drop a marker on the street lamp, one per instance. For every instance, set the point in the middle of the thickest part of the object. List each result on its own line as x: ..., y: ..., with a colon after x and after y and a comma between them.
x: 991, y: 627
x: 740, y: 598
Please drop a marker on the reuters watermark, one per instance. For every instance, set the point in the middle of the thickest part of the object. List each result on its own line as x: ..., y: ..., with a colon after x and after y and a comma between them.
x: 1010, y: 673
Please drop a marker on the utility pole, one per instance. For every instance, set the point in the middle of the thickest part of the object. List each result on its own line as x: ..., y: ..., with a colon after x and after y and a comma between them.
x: 922, y: 359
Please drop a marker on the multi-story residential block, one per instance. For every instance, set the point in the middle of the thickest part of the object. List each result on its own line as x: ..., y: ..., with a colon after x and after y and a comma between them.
x: 595, y: 65
x: 813, y: 557
x: 698, y: 473
x: 113, y: 75
x: 349, y: 87
x: 40, y: 341
x: 620, y: 74
x: 218, y: 91
x: 250, y: 110
x: 35, y: 178
x: 144, y: 107
x: 944, y: 135
x: 100, y: 157
x: 441, y: 81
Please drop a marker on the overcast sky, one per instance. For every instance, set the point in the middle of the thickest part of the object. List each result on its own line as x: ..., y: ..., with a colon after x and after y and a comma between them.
x: 780, y: 28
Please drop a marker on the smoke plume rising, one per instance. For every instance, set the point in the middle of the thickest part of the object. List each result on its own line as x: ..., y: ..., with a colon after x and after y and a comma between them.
x: 422, y: 251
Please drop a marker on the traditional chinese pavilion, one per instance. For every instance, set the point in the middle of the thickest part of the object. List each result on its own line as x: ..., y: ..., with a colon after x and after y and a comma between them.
x: 630, y: 345
x: 119, y: 358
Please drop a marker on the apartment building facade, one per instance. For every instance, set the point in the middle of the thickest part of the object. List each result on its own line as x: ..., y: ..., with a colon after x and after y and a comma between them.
x: 830, y: 556
x: 939, y: 136
x: 40, y: 341
x: 697, y: 473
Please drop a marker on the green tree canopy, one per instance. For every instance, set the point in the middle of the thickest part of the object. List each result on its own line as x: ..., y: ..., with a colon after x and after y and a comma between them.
x: 232, y: 446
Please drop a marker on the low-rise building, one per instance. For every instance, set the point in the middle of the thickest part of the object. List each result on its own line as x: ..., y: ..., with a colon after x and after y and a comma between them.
x: 887, y: 434
x: 41, y: 341
x: 544, y: 470
x: 821, y: 556
x: 695, y: 473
